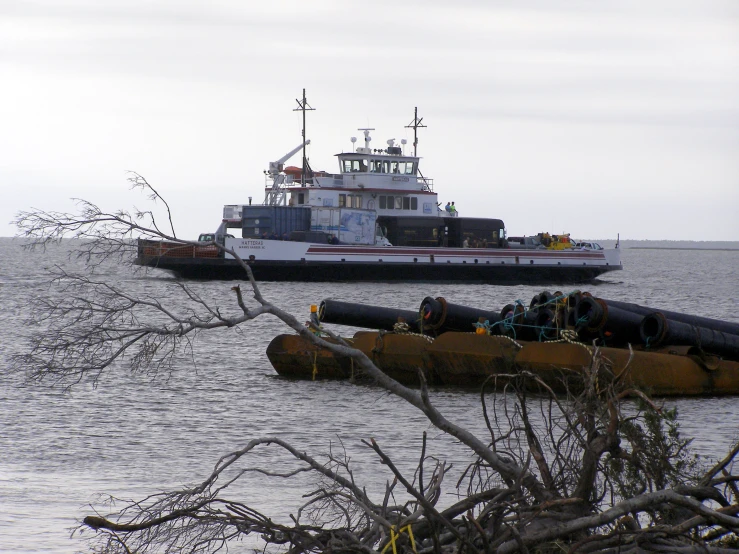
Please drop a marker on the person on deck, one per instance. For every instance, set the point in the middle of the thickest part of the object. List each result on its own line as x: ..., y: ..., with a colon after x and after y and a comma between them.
x: 453, y: 210
x: 448, y: 207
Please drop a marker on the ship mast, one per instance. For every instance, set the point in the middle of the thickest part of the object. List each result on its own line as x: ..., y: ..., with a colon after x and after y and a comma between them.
x: 303, y: 107
x: 415, y: 124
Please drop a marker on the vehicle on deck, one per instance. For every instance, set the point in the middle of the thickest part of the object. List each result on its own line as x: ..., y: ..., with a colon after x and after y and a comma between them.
x: 588, y: 246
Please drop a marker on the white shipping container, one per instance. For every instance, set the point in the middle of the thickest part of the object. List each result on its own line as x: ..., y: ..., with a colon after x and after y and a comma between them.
x: 350, y: 225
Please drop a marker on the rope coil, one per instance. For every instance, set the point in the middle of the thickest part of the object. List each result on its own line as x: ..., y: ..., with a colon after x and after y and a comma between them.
x: 402, y: 328
x: 569, y: 336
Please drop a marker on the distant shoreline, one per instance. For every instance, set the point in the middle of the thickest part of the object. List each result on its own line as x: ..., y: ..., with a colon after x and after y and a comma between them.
x: 679, y: 248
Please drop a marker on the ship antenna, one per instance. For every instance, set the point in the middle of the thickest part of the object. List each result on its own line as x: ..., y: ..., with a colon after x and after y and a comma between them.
x: 304, y: 107
x: 415, y: 125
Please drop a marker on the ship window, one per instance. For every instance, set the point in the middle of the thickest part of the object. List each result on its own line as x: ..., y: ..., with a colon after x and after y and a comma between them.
x: 386, y: 167
x: 355, y: 166
x: 406, y: 203
x: 383, y: 199
x: 414, y: 203
x: 355, y: 201
x: 342, y: 200
x: 394, y: 167
x: 409, y: 168
x: 398, y: 202
x: 376, y: 166
x: 301, y: 198
x: 390, y: 202
x: 403, y: 167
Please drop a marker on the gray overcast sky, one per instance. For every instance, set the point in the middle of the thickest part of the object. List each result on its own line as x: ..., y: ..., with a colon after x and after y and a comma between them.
x: 593, y: 118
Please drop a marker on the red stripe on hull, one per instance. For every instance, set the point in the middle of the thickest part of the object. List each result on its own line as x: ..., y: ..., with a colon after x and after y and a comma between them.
x: 466, y: 253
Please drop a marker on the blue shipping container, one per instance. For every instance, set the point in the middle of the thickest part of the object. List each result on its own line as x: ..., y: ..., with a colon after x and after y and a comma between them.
x: 273, y: 221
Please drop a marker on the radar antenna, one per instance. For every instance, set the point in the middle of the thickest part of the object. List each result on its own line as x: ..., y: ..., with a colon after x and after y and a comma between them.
x: 415, y: 125
x: 367, y: 138
x: 303, y: 106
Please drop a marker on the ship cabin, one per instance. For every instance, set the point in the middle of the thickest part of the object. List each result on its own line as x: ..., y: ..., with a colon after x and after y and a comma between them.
x: 384, y: 180
x: 385, y: 184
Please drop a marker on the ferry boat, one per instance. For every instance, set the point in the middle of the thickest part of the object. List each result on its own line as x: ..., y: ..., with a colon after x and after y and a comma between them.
x: 377, y: 219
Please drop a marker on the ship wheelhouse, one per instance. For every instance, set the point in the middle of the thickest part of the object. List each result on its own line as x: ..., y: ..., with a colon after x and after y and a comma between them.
x: 384, y: 180
x: 353, y: 163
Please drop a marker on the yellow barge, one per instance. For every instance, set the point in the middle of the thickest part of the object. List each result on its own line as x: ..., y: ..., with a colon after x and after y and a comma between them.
x: 469, y: 359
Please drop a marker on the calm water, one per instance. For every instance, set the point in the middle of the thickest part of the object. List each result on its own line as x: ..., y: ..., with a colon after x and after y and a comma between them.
x: 136, y: 434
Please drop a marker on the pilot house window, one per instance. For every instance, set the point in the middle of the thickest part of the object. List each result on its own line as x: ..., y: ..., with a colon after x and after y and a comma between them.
x: 355, y: 166
x: 392, y: 167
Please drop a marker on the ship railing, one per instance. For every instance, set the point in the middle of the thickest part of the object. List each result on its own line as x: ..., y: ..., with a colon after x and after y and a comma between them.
x: 165, y: 249
x: 276, y: 182
x: 332, y: 179
x: 428, y: 184
x: 275, y: 189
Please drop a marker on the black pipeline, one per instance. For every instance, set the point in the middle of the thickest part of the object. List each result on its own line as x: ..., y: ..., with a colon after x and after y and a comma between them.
x: 705, y: 322
x: 365, y: 316
x: 618, y: 327
x: 657, y: 330
x: 440, y: 316
x: 516, y: 321
x: 543, y: 320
